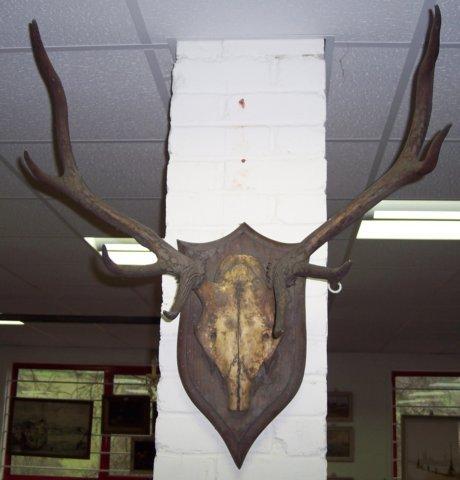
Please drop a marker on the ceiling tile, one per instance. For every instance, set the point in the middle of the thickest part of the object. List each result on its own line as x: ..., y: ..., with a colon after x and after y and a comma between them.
x: 66, y: 22
x: 411, y: 282
x: 335, y: 251
x: 151, y: 294
x: 95, y: 293
x: 10, y: 185
x: 389, y: 20
x: 109, y: 169
x: 153, y: 285
x: 26, y: 335
x: 83, y: 272
x: 348, y: 166
x: 81, y: 335
x: 391, y: 328
x: 363, y: 82
x: 111, y: 95
x: 353, y: 329
x: 450, y: 20
x: 424, y: 344
x: 138, y: 336
x: 419, y: 326
x: 405, y: 254
x: 146, y: 211
x: 86, y: 305
x: 454, y: 280
x: 42, y: 251
x: 447, y: 296
x: 11, y: 282
x: 39, y: 303
x: 29, y: 217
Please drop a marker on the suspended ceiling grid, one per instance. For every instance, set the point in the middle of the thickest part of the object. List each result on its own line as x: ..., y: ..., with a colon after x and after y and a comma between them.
x: 115, y: 59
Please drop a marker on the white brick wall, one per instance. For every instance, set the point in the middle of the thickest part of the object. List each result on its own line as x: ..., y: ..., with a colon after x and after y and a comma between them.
x: 246, y: 144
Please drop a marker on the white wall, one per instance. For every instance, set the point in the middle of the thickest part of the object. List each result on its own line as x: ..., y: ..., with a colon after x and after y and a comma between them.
x: 368, y: 376
x: 246, y: 145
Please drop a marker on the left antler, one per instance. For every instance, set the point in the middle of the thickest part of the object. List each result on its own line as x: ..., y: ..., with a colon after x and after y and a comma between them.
x: 170, y: 261
x: 411, y: 165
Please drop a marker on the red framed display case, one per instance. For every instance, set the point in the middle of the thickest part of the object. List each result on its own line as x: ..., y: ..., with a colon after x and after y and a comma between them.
x: 404, y: 373
x: 109, y: 376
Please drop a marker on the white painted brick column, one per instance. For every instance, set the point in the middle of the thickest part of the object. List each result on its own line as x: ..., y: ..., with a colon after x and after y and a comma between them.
x: 247, y: 144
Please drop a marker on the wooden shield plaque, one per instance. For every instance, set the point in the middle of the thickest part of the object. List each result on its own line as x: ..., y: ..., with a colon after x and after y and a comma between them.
x: 231, y: 366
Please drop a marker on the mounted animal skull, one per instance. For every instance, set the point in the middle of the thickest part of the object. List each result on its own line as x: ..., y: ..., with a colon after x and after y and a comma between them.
x: 237, y: 294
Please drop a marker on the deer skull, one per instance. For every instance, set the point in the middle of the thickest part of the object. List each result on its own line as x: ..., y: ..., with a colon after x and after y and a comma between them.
x: 236, y: 325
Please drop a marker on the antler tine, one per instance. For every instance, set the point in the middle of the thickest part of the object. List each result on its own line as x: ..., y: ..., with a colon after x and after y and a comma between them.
x: 423, y: 86
x: 71, y: 184
x: 410, y: 165
x: 332, y: 275
x: 57, y: 97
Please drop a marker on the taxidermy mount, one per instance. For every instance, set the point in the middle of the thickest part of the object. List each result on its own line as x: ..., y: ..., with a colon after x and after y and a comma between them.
x: 242, y: 337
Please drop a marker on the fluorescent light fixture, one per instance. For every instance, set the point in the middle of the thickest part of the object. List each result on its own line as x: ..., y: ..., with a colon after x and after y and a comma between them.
x: 416, y: 215
x: 418, y: 209
x: 123, y: 251
x: 409, y: 230
x: 412, y: 220
x: 11, y: 322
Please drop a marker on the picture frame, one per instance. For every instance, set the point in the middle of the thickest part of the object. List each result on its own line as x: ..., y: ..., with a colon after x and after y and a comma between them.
x: 430, y: 447
x: 339, y: 406
x: 126, y: 415
x: 340, y: 444
x: 142, y: 454
x: 43, y: 427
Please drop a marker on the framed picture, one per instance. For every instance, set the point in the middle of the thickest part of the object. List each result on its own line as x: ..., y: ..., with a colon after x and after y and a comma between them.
x: 126, y: 414
x: 430, y: 447
x: 50, y: 428
x: 339, y: 406
x: 340, y: 444
x: 142, y: 454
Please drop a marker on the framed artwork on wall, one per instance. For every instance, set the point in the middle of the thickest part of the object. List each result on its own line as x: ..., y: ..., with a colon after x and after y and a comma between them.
x: 126, y: 415
x: 50, y: 428
x: 142, y: 454
x: 340, y: 444
x: 339, y: 406
x: 430, y: 447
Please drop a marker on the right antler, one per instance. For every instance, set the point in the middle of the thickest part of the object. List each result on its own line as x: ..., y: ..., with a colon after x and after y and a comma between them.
x: 169, y: 261
x: 412, y: 163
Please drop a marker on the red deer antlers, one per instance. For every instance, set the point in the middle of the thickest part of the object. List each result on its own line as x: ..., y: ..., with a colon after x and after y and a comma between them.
x: 411, y: 165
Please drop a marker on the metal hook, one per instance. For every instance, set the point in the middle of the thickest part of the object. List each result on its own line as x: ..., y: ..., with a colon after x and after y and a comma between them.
x: 337, y: 290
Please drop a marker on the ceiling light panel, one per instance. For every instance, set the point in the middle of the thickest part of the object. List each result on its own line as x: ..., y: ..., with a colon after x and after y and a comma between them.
x: 123, y: 251
x: 409, y: 230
